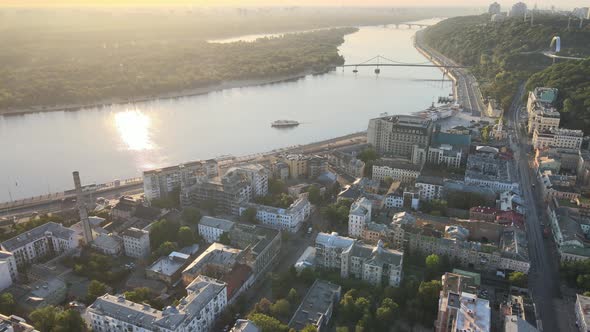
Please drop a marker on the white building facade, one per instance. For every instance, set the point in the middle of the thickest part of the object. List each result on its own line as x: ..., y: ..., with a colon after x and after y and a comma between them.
x: 8, y: 271
x: 289, y: 219
x: 136, y: 242
x: 359, y: 216
x: 211, y: 229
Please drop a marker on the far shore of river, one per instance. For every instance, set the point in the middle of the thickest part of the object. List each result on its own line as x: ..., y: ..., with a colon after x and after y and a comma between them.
x: 170, y: 95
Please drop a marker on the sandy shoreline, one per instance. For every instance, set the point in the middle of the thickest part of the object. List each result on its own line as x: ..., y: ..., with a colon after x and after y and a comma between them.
x: 170, y: 95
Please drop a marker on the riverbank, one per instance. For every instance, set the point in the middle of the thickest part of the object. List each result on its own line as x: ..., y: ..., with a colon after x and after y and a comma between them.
x: 170, y: 95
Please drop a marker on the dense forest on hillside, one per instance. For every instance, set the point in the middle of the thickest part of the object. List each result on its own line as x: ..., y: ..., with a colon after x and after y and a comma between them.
x: 503, y: 54
x: 87, y: 73
x: 75, y: 56
x: 572, y: 78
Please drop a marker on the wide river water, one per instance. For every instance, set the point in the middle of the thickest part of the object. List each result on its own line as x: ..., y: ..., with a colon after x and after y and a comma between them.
x: 40, y: 150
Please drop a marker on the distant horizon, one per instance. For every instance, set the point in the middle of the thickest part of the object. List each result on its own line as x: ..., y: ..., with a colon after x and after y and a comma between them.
x: 561, y: 4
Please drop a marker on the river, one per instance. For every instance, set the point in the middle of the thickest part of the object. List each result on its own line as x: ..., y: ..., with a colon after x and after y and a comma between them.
x: 40, y: 150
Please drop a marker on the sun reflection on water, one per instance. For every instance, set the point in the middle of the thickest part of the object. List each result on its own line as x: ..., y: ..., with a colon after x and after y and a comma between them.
x: 134, y: 129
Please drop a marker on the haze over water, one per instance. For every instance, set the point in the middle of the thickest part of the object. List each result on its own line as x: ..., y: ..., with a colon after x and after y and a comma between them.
x: 39, y: 151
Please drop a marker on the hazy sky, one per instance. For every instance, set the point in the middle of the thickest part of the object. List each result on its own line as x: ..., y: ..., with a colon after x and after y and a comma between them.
x: 392, y: 3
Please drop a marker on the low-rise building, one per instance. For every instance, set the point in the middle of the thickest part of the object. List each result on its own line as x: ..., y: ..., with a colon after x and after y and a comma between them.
x: 168, y: 268
x: 211, y: 228
x: 244, y: 325
x: 317, y: 306
x: 44, y: 241
x: 289, y: 219
x: 196, y: 312
x: 136, y: 242
x: 483, y: 213
x: 358, y: 216
x: 583, y: 312
x: 108, y: 244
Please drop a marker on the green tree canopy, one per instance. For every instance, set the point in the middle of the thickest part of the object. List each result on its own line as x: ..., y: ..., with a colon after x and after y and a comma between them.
x: 186, y: 236
x: 267, y: 323
x: 519, y: 279
x: 191, y: 215
x: 7, y: 304
x: 95, y: 289
x: 249, y: 215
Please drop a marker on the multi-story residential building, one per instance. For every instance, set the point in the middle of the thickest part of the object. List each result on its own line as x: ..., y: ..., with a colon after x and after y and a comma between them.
x: 216, y: 261
x: 158, y: 183
x: 14, y: 323
x: 47, y: 240
x: 400, y: 170
x: 348, y: 163
x: 459, y: 307
x: 8, y: 271
x: 108, y: 244
x: 445, y: 148
x: 519, y: 9
x: 136, y: 242
x: 491, y: 171
x: 297, y: 165
x: 570, y: 232
x: 394, y: 199
x: 211, y: 228
x: 541, y: 110
x: 196, y: 312
x: 358, y: 216
x: 373, y: 232
x: 374, y: 264
x: 430, y: 187
x: 558, y: 186
x: 125, y: 208
x: 227, y: 192
x: 583, y: 313
x: 558, y: 138
x: 257, y: 175
x: 289, y: 219
x: 261, y: 244
x: 317, y: 306
x: 397, y: 135
x: 280, y: 170
x: 329, y: 248
x: 510, y: 250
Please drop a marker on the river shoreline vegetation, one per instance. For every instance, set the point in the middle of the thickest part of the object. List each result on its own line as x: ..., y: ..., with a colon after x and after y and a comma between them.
x: 499, y: 60
x: 52, y: 59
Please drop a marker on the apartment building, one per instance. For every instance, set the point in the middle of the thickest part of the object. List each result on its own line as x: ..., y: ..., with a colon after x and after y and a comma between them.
x: 305, y: 166
x: 211, y: 228
x: 374, y: 264
x: 397, y: 169
x: 262, y: 245
x: 196, y: 312
x: 430, y: 187
x: 358, y: 216
x: 348, y: 163
x: 8, y: 271
x: 158, y: 183
x: 289, y: 219
x: 216, y: 261
x: 397, y: 135
x: 558, y: 138
x: 459, y: 307
x: 448, y: 149
x: 542, y: 115
x: 257, y: 175
x: 136, y: 242
x: 14, y: 323
x: 47, y: 240
x: 228, y: 192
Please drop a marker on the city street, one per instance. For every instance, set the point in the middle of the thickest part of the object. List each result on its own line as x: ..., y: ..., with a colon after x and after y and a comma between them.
x: 543, y: 276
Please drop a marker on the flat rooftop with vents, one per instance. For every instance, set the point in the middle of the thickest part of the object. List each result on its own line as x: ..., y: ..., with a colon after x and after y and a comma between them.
x: 317, y: 306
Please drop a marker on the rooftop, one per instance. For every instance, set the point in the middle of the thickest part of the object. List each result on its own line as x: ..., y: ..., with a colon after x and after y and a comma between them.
x: 473, y: 309
x: 243, y: 325
x: 135, y: 233
x: 36, y: 233
x: 333, y: 240
x: 545, y: 95
x: 316, y: 305
x: 583, y: 305
x: 14, y: 324
x: 407, y: 121
x: 216, y: 253
x: 219, y: 223
x: 169, y: 265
